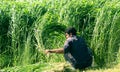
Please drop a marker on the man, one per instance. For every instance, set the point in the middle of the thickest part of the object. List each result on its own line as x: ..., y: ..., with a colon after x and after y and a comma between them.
x: 75, y: 50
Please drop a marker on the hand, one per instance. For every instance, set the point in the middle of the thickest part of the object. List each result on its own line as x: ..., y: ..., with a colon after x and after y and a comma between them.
x: 47, y: 52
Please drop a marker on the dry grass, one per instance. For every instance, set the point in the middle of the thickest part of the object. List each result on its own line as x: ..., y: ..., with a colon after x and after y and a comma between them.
x: 57, y: 67
x: 63, y: 67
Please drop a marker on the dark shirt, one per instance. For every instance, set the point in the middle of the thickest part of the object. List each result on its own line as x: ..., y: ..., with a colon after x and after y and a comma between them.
x: 76, y: 47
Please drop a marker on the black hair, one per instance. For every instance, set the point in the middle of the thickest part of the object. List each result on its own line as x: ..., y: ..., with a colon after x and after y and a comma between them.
x: 71, y: 30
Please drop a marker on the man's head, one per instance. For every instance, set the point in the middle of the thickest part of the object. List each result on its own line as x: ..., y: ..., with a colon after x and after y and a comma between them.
x: 70, y: 32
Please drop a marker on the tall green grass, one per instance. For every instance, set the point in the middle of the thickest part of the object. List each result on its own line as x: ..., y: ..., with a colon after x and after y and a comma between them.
x: 106, y: 37
x: 27, y: 28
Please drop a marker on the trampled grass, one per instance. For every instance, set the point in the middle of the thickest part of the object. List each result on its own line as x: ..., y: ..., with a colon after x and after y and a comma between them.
x: 57, y: 67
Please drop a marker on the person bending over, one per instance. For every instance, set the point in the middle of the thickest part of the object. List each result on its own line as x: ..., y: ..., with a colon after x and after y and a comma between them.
x: 75, y: 50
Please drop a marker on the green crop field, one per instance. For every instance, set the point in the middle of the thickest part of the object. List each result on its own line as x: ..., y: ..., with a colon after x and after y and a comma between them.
x: 28, y: 27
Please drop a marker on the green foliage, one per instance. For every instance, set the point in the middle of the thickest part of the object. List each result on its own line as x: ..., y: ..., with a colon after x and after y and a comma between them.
x: 27, y: 28
x: 106, y: 39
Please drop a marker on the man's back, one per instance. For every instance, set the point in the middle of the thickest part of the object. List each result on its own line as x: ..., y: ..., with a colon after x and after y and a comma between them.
x: 78, y: 49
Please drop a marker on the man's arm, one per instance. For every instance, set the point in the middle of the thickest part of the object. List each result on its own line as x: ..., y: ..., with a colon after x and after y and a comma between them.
x: 60, y: 51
